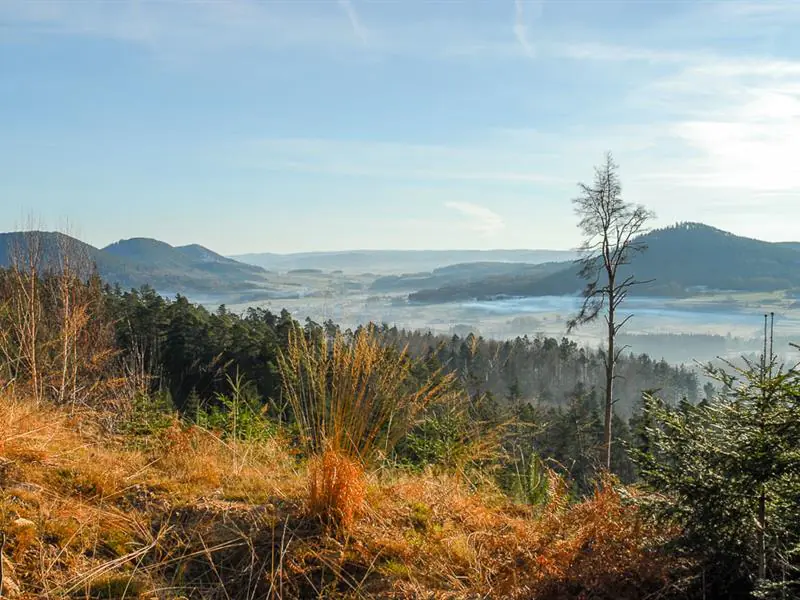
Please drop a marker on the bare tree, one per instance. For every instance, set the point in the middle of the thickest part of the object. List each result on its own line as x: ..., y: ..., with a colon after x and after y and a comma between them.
x: 25, y: 306
x: 611, y: 231
x: 56, y: 340
x: 71, y: 302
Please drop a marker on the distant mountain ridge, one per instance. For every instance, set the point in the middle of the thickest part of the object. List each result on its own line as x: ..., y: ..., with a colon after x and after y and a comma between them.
x: 682, y: 259
x: 397, y: 261
x: 144, y: 261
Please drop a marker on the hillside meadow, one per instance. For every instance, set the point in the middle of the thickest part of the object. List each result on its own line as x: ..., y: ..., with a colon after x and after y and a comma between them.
x: 185, y: 513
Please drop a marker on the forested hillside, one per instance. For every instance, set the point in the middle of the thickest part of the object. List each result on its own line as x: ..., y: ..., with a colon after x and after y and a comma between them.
x: 463, y: 274
x: 136, y: 262
x: 680, y: 260
x: 195, y: 349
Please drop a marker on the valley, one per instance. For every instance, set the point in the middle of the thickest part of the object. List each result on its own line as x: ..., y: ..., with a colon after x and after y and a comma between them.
x: 679, y: 330
x: 498, y: 294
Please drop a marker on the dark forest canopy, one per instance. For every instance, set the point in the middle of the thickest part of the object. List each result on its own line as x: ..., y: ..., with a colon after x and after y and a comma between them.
x: 195, y: 349
x: 551, y: 388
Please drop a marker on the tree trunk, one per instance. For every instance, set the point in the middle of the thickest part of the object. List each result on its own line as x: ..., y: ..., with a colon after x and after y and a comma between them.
x: 762, y: 527
x: 33, y: 334
x: 609, y: 392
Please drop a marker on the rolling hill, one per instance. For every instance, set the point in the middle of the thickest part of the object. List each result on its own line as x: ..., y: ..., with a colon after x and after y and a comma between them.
x: 50, y: 245
x: 463, y: 274
x: 397, y: 261
x: 684, y: 259
x: 143, y: 261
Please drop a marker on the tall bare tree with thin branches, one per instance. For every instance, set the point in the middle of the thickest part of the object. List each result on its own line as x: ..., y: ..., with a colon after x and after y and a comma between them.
x: 56, y: 340
x: 612, y: 230
x: 72, y: 268
x: 27, y: 266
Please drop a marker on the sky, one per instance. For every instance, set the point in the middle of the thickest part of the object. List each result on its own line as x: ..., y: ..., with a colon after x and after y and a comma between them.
x: 300, y: 125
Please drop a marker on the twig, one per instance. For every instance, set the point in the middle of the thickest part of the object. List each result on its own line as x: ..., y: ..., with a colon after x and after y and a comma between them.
x: 2, y: 549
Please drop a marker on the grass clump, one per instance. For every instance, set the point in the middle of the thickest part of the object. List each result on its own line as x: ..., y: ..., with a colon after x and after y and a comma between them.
x: 353, y: 397
x: 336, y: 488
x: 355, y: 393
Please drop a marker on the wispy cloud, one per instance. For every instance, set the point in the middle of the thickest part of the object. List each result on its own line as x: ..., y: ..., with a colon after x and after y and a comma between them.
x: 521, y: 28
x: 480, y: 219
x: 174, y: 28
x: 703, y: 108
x: 758, y: 9
x: 497, y: 160
x: 738, y: 121
x: 355, y: 22
x: 619, y: 53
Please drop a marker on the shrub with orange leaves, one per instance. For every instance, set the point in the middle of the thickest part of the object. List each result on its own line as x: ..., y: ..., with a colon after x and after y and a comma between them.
x: 601, y: 547
x: 475, y: 543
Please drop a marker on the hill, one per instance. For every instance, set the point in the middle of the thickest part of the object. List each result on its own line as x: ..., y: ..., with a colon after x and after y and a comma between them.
x: 141, y: 261
x: 50, y: 245
x: 792, y: 245
x: 683, y: 259
x: 397, y: 261
x: 185, y: 267
x: 463, y: 274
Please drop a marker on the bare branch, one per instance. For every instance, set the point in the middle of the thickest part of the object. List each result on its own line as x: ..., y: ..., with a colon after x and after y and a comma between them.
x: 619, y: 326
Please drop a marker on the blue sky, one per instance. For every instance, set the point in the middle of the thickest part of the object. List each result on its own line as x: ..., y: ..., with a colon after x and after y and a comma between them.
x: 324, y: 125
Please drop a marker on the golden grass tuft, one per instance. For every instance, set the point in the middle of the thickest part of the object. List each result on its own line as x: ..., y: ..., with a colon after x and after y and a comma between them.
x: 336, y: 489
x: 355, y: 395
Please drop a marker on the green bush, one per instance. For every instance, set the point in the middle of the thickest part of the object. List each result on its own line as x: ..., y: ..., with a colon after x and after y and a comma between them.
x: 240, y: 414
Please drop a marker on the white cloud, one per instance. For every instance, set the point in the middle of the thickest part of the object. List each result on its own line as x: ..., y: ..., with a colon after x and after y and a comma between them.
x: 179, y: 28
x: 480, y: 219
x: 616, y: 53
x: 738, y: 122
x: 191, y: 30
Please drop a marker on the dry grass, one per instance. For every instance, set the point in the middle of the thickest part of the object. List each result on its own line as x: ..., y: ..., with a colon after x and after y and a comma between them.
x: 355, y: 396
x: 77, y: 505
x: 462, y: 543
x: 194, y: 516
x: 336, y: 489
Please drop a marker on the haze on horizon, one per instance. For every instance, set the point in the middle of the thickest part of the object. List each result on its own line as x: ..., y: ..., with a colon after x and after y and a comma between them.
x: 294, y: 126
